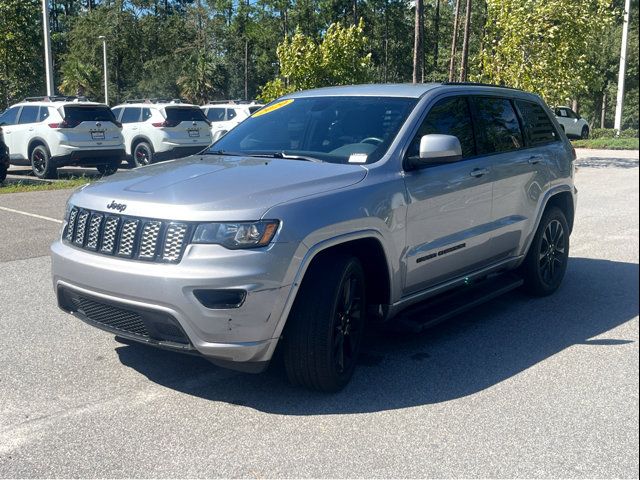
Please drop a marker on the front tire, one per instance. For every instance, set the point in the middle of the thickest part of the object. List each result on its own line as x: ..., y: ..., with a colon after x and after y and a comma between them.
x: 41, y: 163
x: 546, y: 263
x: 325, y: 328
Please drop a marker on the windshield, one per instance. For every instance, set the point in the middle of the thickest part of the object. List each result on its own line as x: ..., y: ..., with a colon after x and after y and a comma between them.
x: 331, y: 129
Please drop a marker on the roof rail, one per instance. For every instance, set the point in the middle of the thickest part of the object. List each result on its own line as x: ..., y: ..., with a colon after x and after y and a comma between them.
x: 481, y: 84
x: 154, y: 100
x: 57, y: 98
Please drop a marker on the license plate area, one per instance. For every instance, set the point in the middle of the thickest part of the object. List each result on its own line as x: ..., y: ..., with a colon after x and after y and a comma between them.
x: 193, y: 132
x: 99, y: 135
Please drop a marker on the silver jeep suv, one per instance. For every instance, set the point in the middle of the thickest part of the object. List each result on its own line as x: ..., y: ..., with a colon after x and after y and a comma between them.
x: 323, y: 212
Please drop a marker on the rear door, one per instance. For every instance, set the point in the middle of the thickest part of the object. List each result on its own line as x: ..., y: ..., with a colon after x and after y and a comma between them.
x: 520, y: 173
x: 449, y: 207
x: 25, y: 130
x: 90, y: 126
x: 187, y: 125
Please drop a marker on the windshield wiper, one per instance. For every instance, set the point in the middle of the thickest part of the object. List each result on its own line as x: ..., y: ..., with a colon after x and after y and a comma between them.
x: 223, y: 152
x: 286, y: 156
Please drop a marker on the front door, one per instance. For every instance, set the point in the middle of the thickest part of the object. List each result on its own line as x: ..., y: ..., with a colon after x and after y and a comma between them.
x: 449, y: 211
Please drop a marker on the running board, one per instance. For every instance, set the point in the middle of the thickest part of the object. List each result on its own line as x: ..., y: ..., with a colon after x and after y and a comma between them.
x: 431, y: 312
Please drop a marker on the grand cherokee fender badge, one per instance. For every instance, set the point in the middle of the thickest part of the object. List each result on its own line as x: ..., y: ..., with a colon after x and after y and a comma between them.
x: 121, y: 207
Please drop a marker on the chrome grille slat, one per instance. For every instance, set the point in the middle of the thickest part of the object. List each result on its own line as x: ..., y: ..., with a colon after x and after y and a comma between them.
x: 174, y: 241
x: 149, y: 239
x: 81, y: 228
x: 109, y: 234
x: 94, y: 231
x: 127, y: 237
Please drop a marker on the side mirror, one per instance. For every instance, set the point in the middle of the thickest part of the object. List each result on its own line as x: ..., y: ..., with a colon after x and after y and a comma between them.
x: 436, y: 149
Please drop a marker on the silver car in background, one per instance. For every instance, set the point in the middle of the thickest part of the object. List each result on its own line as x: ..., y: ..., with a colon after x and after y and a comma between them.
x: 323, y: 212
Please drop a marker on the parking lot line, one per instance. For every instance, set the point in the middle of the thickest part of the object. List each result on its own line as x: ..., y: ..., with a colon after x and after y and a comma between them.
x: 6, y: 209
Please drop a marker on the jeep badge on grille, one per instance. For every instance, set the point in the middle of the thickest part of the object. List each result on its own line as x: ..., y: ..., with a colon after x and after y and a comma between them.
x: 117, y: 206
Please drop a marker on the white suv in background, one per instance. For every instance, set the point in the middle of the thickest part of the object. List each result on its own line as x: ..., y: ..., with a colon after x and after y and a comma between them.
x: 156, y: 130
x: 572, y: 124
x: 51, y: 132
x: 226, y: 115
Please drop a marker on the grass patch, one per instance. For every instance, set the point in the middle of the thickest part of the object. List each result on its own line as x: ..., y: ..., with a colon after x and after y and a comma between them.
x: 20, y: 186
x: 608, y: 143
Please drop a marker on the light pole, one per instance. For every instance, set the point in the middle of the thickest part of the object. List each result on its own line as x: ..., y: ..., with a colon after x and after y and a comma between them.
x: 104, y: 62
x: 48, y: 63
x: 623, y: 61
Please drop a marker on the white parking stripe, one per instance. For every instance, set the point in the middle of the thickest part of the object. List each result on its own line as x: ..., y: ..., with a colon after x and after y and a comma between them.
x: 30, y: 214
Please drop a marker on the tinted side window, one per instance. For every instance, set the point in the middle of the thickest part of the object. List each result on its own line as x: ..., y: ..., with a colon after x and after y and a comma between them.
x: 10, y: 116
x: 116, y: 112
x: 215, y: 114
x: 538, y: 127
x: 449, y: 116
x: 146, y: 114
x: 230, y: 113
x: 131, y: 115
x: 498, y: 124
x: 29, y: 114
x: 44, y: 113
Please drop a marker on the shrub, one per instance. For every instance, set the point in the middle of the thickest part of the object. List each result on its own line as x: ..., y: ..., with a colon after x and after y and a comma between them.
x: 629, y: 133
x: 602, y: 133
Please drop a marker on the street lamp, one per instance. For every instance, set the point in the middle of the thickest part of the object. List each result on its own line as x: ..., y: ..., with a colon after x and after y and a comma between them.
x: 48, y: 63
x: 104, y: 61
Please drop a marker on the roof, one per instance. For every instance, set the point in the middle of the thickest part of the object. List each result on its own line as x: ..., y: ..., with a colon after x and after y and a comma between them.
x: 406, y: 90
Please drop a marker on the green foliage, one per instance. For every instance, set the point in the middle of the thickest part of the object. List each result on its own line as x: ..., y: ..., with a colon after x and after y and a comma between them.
x: 21, y: 51
x: 338, y: 59
x: 541, y: 45
x: 611, y: 133
x: 608, y: 143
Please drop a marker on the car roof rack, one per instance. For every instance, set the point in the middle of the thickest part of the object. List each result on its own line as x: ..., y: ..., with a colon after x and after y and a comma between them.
x: 231, y: 102
x: 481, y: 84
x: 57, y: 98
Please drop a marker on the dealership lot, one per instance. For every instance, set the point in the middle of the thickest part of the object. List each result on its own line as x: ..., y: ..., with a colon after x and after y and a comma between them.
x: 519, y: 387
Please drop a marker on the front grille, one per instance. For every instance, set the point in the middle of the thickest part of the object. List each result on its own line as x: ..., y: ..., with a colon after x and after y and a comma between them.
x: 127, y: 237
x: 110, y: 316
x: 127, y: 320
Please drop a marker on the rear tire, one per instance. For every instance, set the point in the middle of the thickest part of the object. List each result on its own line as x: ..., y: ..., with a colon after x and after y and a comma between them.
x: 141, y: 155
x: 41, y: 163
x: 108, y: 168
x: 325, y: 328
x: 3, y: 173
x: 584, y: 134
x: 546, y: 263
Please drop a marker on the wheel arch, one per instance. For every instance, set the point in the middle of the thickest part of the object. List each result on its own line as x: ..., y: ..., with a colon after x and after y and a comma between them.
x: 564, y: 201
x: 139, y: 139
x: 33, y: 143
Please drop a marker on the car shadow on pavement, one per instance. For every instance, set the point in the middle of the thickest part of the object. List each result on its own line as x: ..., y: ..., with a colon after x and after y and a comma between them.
x: 466, y: 355
x: 597, y: 162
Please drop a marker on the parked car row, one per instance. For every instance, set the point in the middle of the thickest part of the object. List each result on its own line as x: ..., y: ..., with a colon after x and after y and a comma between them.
x: 47, y: 133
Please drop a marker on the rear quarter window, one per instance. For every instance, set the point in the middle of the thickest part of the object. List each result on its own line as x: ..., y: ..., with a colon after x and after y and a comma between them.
x: 538, y: 127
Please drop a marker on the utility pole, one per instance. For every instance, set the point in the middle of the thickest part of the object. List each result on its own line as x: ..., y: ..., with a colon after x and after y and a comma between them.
x: 623, y: 65
x: 104, y: 64
x: 48, y: 62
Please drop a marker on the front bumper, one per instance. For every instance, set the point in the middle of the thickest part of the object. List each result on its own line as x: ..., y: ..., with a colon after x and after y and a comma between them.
x: 240, y: 338
x: 179, y: 151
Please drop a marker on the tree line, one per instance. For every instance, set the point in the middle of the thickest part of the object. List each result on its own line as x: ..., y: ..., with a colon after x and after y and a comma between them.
x: 204, y: 50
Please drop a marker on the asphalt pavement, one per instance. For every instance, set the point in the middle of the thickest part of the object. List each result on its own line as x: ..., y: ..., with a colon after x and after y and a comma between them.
x: 519, y: 387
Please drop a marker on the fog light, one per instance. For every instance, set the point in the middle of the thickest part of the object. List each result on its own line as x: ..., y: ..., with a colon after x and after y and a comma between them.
x: 220, y: 299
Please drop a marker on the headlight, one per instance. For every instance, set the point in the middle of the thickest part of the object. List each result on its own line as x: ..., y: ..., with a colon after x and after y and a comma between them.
x: 237, y: 235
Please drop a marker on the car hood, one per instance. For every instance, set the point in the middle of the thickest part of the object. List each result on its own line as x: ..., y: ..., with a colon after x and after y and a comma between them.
x: 212, y: 187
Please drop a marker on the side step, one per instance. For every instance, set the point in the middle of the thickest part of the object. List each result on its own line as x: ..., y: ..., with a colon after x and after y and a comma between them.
x: 431, y: 312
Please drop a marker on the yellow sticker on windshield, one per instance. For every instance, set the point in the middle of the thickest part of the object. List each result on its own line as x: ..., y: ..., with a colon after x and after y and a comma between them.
x: 273, y: 107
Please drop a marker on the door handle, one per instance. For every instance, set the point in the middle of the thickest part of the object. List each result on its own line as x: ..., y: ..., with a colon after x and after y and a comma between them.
x: 479, y: 172
x: 535, y: 159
